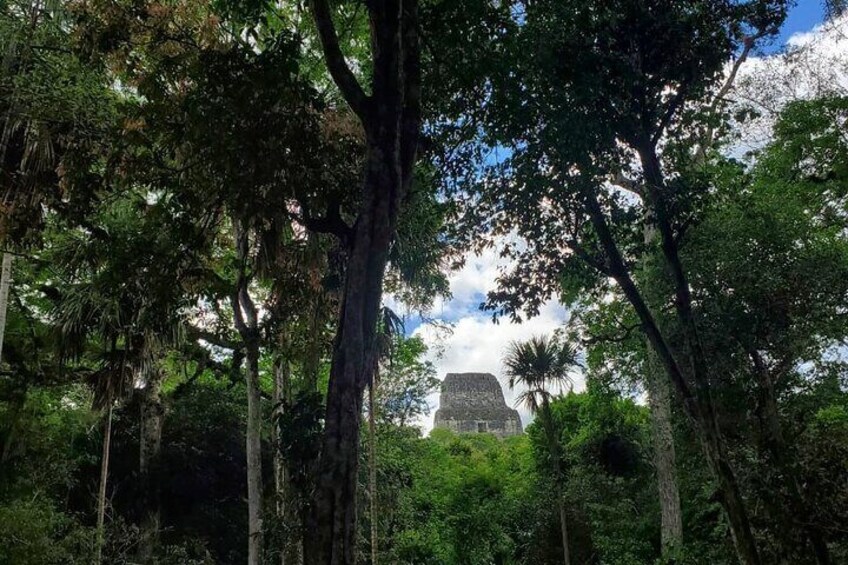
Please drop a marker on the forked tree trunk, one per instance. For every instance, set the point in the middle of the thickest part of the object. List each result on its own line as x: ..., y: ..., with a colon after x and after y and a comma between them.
x: 5, y: 282
x: 150, y: 466
x: 391, y: 118
x: 104, y: 474
x: 247, y: 324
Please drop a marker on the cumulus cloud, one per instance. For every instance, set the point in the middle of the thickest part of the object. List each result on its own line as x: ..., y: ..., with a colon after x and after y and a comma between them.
x: 465, y: 339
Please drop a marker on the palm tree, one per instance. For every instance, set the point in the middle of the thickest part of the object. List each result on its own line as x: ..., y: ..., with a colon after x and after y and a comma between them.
x: 540, y: 365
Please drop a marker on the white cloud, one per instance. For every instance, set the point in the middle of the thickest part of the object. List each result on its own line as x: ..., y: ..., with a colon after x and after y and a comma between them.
x: 477, y: 344
x: 814, y: 64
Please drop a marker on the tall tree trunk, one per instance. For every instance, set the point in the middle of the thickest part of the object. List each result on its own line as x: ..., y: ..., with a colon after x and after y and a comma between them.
x: 391, y: 118
x: 254, y: 456
x: 247, y: 323
x: 664, y: 455
x: 372, y: 467
x: 104, y: 474
x: 659, y: 402
x: 5, y: 282
x: 150, y: 465
x: 734, y: 503
x: 698, y: 405
x: 290, y: 550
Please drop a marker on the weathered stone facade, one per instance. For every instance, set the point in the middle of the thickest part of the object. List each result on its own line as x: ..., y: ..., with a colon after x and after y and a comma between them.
x: 474, y: 402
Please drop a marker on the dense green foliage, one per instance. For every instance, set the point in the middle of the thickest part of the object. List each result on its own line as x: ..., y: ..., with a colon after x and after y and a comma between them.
x: 206, y: 201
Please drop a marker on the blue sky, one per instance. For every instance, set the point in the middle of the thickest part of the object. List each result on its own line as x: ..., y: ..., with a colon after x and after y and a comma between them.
x: 804, y: 16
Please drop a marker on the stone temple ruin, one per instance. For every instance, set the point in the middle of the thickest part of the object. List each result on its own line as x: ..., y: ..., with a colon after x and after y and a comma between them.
x: 474, y: 402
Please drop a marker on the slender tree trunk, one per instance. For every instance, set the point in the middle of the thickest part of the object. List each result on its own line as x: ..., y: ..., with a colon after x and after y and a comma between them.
x: 254, y: 456
x: 698, y: 406
x: 150, y: 466
x: 5, y: 282
x: 734, y: 504
x: 290, y: 550
x: 554, y: 451
x: 563, y: 527
x: 277, y: 397
x: 104, y: 474
x: 247, y: 323
x: 372, y: 466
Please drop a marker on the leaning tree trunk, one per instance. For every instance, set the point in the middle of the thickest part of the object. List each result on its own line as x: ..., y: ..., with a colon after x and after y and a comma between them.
x: 150, y: 466
x: 697, y: 403
x: 5, y: 282
x: 731, y: 495
x: 104, y: 473
x: 391, y: 118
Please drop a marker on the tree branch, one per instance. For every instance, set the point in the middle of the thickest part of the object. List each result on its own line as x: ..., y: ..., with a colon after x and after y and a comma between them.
x: 336, y: 64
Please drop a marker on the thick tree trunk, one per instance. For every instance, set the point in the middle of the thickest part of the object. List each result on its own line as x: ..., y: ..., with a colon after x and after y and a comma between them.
x: 5, y: 282
x: 664, y: 455
x: 372, y: 467
x: 150, y: 466
x: 662, y: 436
x: 391, y: 118
x: 104, y: 474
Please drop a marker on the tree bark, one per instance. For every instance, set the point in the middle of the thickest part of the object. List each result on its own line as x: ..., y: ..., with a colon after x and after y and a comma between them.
x: 282, y: 394
x: 697, y: 406
x: 104, y: 474
x: 150, y: 465
x: 5, y: 282
x: 664, y: 456
x: 247, y: 324
x: 734, y: 505
x: 662, y: 436
x: 391, y: 117
x: 554, y: 451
